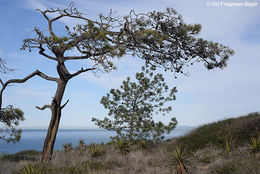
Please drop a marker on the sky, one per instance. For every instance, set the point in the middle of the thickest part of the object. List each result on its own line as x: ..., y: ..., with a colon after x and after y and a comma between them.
x: 203, y: 97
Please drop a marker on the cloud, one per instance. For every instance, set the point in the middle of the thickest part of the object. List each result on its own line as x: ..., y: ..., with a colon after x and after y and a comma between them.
x: 34, y: 4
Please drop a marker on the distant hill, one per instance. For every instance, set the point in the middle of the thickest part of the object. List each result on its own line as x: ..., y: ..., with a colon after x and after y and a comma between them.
x: 183, y: 127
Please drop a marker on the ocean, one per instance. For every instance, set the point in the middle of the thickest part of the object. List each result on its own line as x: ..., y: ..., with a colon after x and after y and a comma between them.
x: 33, y: 139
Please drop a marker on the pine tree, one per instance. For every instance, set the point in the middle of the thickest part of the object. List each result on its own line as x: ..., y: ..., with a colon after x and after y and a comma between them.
x: 9, y: 116
x: 133, y: 106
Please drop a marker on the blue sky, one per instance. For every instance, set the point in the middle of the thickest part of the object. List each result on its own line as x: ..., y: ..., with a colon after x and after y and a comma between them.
x: 203, y: 97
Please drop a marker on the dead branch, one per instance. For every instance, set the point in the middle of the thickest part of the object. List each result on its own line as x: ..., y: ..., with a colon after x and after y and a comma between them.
x: 41, y: 51
x: 36, y: 72
x: 44, y: 107
x: 81, y: 71
x: 64, y: 104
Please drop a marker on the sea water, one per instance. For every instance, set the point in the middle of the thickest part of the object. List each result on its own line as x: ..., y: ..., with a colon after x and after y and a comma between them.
x: 34, y: 139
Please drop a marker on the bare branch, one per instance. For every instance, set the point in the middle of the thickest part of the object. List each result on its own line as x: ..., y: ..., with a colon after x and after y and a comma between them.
x: 76, y: 57
x: 81, y: 71
x: 1, y: 82
x: 44, y: 107
x: 43, y: 13
x: 41, y: 51
x: 44, y: 76
x: 36, y: 72
x: 64, y: 104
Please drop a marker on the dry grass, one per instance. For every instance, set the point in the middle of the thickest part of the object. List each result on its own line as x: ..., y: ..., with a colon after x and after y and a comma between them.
x: 208, y: 156
x: 152, y: 161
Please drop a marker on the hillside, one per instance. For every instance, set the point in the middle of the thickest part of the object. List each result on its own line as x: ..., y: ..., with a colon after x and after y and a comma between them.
x: 240, y: 129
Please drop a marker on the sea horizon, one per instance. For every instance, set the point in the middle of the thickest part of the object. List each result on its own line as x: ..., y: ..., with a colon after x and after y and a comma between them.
x: 32, y: 139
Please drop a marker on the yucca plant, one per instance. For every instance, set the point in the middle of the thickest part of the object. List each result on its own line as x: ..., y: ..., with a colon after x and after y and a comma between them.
x: 96, y: 150
x: 3, y: 156
x: 30, y: 169
x: 180, y: 159
x: 229, y: 144
x: 123, y: 146
x: 255, y: 145
x: 143, y: 144
x: 67, y: 147
x: 82, y: 146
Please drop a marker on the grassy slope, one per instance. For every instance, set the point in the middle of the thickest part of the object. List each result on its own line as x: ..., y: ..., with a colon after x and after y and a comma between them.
x: 241, y: 129
x: 209, y: 159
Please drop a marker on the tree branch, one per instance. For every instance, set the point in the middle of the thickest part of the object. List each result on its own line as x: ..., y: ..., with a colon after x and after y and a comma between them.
x: 76, y: 57
x: 36, y: 72
x: 43, y: 13
x: 81, y: 71
x: 64, y: 104
x: 44, y: 54
x: 44, y: 107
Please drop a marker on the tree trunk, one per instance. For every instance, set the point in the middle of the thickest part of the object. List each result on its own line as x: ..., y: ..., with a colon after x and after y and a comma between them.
x: 54, y: 123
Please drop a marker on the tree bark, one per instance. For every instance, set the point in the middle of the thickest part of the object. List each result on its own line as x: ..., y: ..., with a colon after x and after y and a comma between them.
x: 54, y: 122
x: 55, y: 113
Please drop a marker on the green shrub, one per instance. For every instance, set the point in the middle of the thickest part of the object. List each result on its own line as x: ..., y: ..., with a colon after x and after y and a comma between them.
x: 255, y: 145
x: 229, y: 144
x: 123, y: 146
x: 4, y: 156
x: 81, y: 147
x: 144, y: 144
x: 31, y: 169
x: 67, y: 147
x: 96, y: 150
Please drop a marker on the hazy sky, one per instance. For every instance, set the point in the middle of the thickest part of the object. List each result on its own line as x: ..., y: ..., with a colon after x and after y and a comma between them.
x: 203, y: 97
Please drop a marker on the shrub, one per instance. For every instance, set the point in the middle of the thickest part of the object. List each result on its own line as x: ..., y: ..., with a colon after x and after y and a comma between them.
x: 123, y: 146
x: 67, y: 147
x: 96, y: 150
x: 143, y: 144
x: 255, y: 145
x: 229, y: 144
x: 82, y: 146
x: 31, y: 169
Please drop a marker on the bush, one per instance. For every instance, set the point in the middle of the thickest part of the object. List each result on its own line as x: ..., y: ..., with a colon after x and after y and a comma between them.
x: 96, y: 150
x: 67, y: 147
x: 123, y: 146
x: 255, y: 145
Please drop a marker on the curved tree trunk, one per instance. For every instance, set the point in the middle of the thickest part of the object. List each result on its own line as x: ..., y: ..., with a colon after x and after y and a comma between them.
x: 54, y: 123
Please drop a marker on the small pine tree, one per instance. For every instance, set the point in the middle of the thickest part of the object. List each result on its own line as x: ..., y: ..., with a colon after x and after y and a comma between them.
x: 10, y: 118
x: 133, y: 106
